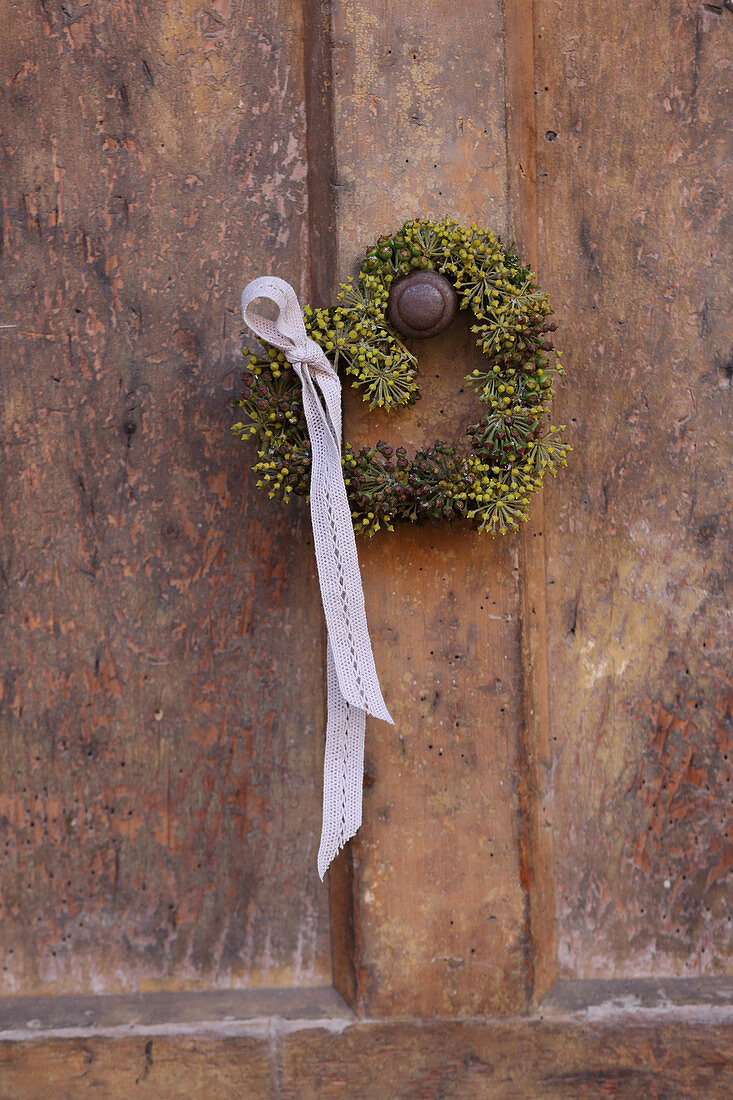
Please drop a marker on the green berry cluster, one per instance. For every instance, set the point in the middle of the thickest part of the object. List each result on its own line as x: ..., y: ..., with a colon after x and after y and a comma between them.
x: 511, y: 447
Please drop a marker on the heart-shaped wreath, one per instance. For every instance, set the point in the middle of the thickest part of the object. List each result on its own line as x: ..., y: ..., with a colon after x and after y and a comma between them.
x: 490, y: 481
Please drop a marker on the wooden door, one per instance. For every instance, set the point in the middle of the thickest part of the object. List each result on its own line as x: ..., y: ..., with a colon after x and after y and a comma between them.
x: 537, y: 902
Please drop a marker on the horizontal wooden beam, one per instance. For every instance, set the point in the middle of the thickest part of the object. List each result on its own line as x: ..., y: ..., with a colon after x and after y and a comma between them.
x: 285, y: 1044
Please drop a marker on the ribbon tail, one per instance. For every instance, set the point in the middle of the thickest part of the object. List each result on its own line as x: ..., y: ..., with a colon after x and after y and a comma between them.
x: 338, y: 566
x: 343, y: 770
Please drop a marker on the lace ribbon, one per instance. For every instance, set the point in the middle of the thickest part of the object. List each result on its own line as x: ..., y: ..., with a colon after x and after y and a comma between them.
x: 353, y: 686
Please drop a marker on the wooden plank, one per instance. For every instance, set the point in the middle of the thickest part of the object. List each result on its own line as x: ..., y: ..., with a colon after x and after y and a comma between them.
x: 515, y: 1060
x: 157, y: 1066
x: 537, y: 843
x: 553, y: 1059
x: 439, y: 906
x: 633, y: 176
x: 154, y: 602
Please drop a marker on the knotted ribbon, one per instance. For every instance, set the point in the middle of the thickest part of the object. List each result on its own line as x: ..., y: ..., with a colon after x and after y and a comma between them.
x: 353, y: 686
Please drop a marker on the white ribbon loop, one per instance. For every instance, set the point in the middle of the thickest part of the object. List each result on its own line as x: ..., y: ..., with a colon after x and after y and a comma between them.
x: 353, y: 686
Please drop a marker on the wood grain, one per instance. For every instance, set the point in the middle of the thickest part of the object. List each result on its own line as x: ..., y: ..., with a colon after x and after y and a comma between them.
x: 161, y: 632
x: 536, y: 795
x: 439, y: 906
x: 516, y: 1060
x: 551, y: 1059
x: 160, y: 797
x: 164, y: 1068
x: 633, y: 174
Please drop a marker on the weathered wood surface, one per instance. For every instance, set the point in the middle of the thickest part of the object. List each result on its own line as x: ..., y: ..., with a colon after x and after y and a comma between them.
x: 516, y: 1060
x: 161, y: 636
x: 537, y: 836
x: 439, y: 906
x: 634, y: 182
x: 557, y: 1060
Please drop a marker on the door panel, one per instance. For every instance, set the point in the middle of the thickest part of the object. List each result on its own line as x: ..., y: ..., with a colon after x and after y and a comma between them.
x: 439, y: 903
x: 635, y: 250
x: 554, y: 797
x: 155, y: 604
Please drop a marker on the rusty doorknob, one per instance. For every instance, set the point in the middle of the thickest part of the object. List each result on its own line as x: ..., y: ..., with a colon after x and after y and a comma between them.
x: 422, y: 304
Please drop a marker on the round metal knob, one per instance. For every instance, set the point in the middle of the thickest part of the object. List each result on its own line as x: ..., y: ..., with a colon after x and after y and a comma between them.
x: 422, y: 304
